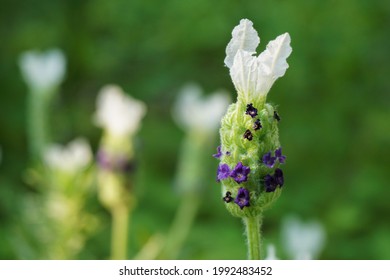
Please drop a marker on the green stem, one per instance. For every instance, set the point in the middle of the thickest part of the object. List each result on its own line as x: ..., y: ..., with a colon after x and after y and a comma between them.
x: 252, y: 227
x: 181, y: 225
x: 120, y: 221
x: 37, y: 109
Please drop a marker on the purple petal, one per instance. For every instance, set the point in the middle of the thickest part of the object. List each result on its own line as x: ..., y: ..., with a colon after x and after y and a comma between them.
x: 269, y: 160
x: 242, y: 198
x: 279, y: 156
x: 223, y: 172
x: 219, y: 153
x: 278, y: 176
x: 240, y: 173
x: 270, y: 183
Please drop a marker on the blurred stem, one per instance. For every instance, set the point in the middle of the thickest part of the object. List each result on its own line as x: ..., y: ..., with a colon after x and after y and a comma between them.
x: 252, y: 227
x: 184, y: 217
x: 37, y: 115
x: 120, y: 221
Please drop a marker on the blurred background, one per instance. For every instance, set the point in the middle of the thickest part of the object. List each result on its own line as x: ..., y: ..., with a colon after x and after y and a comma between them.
x: 333, y: 102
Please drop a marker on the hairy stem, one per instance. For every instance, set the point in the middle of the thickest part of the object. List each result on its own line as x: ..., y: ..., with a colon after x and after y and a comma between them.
x: 252, y: 228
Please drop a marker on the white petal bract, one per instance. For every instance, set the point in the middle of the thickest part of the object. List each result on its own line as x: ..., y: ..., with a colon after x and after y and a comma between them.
x: 253, y: 76
x: 244, y: 37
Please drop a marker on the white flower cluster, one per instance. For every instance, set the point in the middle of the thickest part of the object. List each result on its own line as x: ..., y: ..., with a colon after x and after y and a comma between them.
x: 71, y: 158
x: 43, y: 71
x: 118, y: 113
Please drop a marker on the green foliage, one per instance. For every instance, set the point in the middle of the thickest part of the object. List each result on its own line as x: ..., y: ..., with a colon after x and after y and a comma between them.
x: 333, y: 102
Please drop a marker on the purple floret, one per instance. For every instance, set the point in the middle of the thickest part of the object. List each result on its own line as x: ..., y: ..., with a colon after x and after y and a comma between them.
x: 279, y: 156
x: 250, y: 110
x: 223, y: 172
x: 270, y: 183
x: 219, y: 153
x: 269, y: 160
x: 278, y: 176
x: 242, y: 198
x: 240, y: 173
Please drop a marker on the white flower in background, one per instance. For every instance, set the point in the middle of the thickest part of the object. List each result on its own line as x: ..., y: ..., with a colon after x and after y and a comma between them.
x: 254, y: 75
x: 43, y: 71
x: 302, y: 241
x: 271, y: 253
x: 202, y: 113
x: 118, y: 113
x: 71, y: 158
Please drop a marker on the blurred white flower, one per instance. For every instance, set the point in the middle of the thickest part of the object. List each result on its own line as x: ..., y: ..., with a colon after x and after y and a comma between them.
x: 43, y: 71
x: 194, y: 111
x: 71, y: 158
x: 271, y: 253
x: 118, y: 113
x: 302, y: 241
x: 254, y: 75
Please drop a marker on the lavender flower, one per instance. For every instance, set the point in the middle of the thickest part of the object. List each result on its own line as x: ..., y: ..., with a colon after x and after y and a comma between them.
x: 272, y: 182
x: 269, y: 160
x: 219, y: 153
x: 248, y: 135
x: 223, y: 172
x: 228, y: 197
x: 250, y: 110
x: 278, y: 176
x: 240, y: 173
x: 279, y: 156
x: 242, y: 198
x: 257, y: 125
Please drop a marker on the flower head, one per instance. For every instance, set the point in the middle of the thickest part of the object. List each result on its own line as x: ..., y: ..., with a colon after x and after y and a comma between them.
x: 240, y: 173
x: 43, y: 71
x: 253, y: 75
x: 195, y: 112
x: 249, y: 129
x: 223, y: 172
x: 118, y: 113
x: 71, y: 158
x: 242, y: 198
